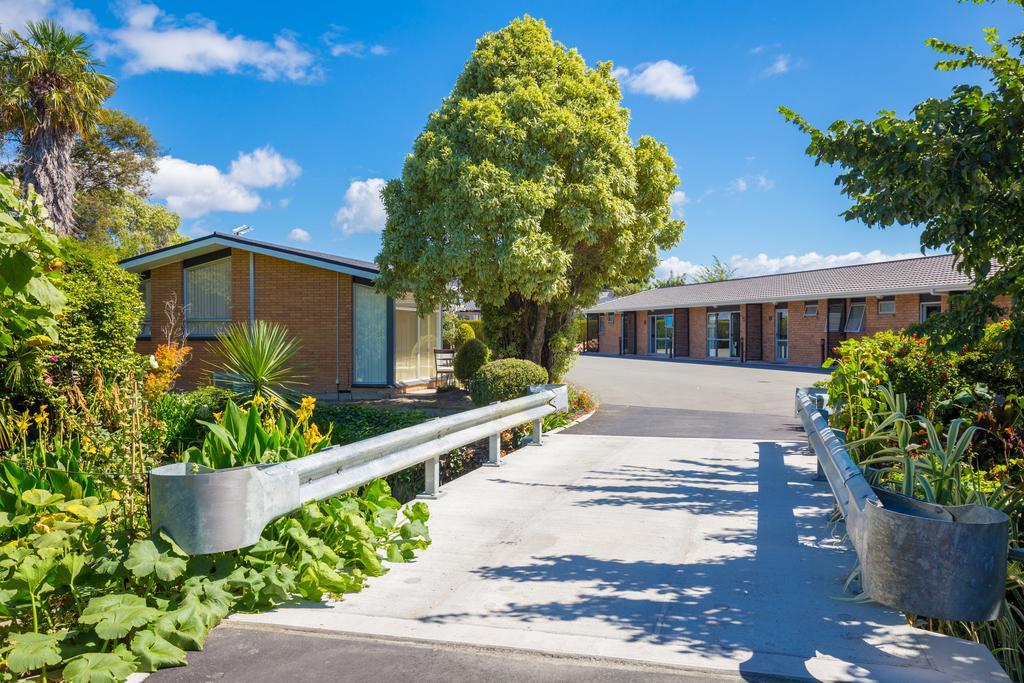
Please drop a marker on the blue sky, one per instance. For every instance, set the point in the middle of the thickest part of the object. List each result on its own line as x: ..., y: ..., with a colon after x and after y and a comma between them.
x: 288, y: 116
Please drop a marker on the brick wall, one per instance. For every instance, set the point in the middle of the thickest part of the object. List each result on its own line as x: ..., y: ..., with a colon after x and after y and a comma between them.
x: 699, y: 332
x: 753, y: 326
x: 303, y: 298
x: 806, y: 333
x: 641, y: 333
x: 768, y: 332
x: 608, y: 337
x: 315, y: 305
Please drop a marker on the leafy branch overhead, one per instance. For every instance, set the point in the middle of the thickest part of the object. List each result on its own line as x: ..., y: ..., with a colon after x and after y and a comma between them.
x: 955, y: 167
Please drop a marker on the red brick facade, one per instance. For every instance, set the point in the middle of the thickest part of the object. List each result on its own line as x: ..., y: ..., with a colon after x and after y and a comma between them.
x: 808, y: 339
x: 315, y: 304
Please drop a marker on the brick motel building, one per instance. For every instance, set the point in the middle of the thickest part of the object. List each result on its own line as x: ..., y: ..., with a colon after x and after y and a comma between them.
x: 793, y: 318
x: 351, y: 337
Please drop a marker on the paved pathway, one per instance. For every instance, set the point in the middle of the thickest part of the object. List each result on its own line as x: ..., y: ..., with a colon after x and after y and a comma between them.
x: 642, y: 544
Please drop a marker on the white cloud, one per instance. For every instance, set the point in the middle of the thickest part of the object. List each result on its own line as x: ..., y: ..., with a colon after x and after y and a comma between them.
x: 762, y: 264
x: 757, y: 49
x: 677, y: 200
x: 263, y: 167
x: 151, y: 40
x: 194, y: 190
x: 14, y: 14
x: 663, y: 80
x: 363, y: 210
x: 357, y: 49
x: 298, y: 235
x: 781, y: 65
x: 763, y: 182
x: 738, y: 185
x: 757, y: 181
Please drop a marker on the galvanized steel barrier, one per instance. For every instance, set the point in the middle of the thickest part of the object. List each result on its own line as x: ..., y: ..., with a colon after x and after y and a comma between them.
x: 208, y: 511
x: 939, y: 561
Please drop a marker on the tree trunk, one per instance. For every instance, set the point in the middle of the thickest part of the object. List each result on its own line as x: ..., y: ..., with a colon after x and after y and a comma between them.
x: 538, y: 340
x: 49, y: 169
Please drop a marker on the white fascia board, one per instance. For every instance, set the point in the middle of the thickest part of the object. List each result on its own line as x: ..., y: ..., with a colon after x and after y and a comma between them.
x: 612, y: 307
x: 197, y: 248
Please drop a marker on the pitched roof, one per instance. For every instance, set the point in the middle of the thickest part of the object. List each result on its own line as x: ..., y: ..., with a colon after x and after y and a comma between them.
x: 923, y: 274
x: 219, y: 240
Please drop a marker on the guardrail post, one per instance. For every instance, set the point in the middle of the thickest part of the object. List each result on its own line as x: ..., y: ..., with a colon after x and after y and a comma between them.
x: 538, y: 432
x: 431, y: 478
x: 494, y: 450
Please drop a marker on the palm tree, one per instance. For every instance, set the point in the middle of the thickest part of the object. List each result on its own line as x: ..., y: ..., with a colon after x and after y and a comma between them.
x: 50, y: 93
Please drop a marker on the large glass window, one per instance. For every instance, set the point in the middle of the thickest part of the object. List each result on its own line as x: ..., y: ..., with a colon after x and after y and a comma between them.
x: 781, y: 334
x: 930, y: 308
x: 208, y: 298
x: 415, y: 340
x: 146, y: 289
x: 369, y: 336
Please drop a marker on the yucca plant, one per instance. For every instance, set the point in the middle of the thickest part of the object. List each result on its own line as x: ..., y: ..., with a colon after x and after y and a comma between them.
x: 258, y: 359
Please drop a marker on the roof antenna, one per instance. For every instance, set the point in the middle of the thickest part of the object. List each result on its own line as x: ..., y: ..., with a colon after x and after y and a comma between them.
x: 241, y: 230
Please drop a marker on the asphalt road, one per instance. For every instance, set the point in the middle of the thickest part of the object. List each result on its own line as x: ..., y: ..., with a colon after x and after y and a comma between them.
x: 651, y: 397
x: 235, y: 653
x: 692, y: 385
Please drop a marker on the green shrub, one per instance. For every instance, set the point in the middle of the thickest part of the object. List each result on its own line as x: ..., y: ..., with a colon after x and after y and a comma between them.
x: 988, y: 363
x: 449, y: 328
x: 478, y: 329
x: 99, y: 325
x: 505, y: 379
x: 180, y: 412
x: 350, y: 422
x: 470, y: 357
x: 463, y: 333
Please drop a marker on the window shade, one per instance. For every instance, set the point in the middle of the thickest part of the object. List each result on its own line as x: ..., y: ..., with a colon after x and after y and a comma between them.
x: 208, y: 298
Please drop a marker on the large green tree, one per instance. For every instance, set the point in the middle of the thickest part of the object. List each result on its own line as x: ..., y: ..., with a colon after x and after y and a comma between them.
x: 954, y: 167
x: 51, y: 93
x: 526, y: 187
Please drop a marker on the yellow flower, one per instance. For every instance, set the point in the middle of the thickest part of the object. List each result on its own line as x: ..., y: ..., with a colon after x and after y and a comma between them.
x: 107, y: 450
x: 257, y: 400
x: 23, y: 423
x: 216, y: 416
x: 313, y: 435
x: 305, y: 409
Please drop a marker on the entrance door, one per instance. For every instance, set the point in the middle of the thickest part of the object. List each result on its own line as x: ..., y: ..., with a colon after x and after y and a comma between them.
x: 724, y: 335
x: 629, y: 332
x: 660, y: 338
x: 781, y: 334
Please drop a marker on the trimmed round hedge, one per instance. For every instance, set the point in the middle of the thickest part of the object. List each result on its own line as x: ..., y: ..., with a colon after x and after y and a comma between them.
x: 470, y: 357
x: 463, y: 333
x: 505, y: 379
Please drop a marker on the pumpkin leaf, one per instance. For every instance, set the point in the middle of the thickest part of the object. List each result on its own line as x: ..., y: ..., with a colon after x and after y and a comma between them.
x: 114, y: 615
x: 29, y: 651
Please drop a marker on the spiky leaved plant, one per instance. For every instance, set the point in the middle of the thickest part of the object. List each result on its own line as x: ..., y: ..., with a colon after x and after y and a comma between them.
x: 260, y: 360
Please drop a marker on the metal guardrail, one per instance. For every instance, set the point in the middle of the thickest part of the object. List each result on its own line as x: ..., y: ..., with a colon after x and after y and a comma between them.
x: 208, y: 511
x: 939, y: 561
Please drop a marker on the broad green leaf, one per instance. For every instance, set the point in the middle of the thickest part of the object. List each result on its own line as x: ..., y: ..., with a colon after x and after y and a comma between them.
x: 114, y: 615
x: 29, y: 651
x: 156, y: 652
x: 41, y: 498
x: 144, y: 559
x: 101, y: 667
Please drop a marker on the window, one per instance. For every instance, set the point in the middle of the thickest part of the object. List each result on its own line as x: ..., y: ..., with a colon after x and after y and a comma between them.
x: 930, y: 308
x: 600, y: 324
x: 855, y: 321
x: 208, y: 298
x: 146, y: 289
x: 835, y: 316
x: 611, y: 318
x: 887, y: 306
x: 811, y: 310
x: 415, y: 341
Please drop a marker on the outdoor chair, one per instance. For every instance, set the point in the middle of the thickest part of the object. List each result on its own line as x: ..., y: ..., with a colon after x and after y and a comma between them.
x: 444, y: 366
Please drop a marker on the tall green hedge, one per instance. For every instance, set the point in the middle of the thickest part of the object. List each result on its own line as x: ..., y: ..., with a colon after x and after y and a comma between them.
x: 98, y: 326
x: 470, y: 357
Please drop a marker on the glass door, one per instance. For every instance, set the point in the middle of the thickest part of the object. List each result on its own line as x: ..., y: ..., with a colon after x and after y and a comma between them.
x: 724, y: 335
x: 781, y: 334
x: 660, y: 339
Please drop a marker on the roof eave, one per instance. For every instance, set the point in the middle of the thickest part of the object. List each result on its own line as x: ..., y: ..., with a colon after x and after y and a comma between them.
x: 203, y: 245
x: 612, y: 307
